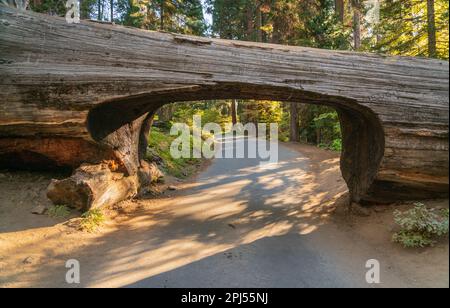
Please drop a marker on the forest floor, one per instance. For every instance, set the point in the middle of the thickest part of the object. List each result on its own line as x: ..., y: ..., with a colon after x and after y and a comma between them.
x: 227, y: 222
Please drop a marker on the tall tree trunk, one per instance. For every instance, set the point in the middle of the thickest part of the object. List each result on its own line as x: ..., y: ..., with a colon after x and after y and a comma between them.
x: 356, y: 25
x: 250, y: 27
x: 378, y: 21
x: 112, y: 10
x: 234, y: 111
x: 275, y: 39
x: 252, y: 105
x: 339, y: 9
x: 258, y: 22
x: 103, y: 9
x: 432, y: 53
x: 99, y: 11
x: 84, y: 11
x: 165, y: 113
x: 294, y: 126
x: 162, y: 15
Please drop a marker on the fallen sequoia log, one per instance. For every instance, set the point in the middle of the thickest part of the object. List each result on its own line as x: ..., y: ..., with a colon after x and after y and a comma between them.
x: 73, y: 94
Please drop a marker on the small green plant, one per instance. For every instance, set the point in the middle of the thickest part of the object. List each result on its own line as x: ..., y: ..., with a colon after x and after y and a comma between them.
x: 58, y: 211
x: 445, y: 213
x: 159, y: 147
x: 420, y: 226
x: 92, y: 220
x: 336, y: 145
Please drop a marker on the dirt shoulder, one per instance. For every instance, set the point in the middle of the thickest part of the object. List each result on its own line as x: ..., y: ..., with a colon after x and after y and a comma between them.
x: 167, y: 230
x: 375, y: 226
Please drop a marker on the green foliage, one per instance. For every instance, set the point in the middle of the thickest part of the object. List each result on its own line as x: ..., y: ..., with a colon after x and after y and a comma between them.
x: 328, y: 130
x: 132, y: 13
x: 319, y: 125
x: 159, y: 143
x: 51, y: 7
x: 92, y: 220
x: 211, y: 112
x: 58, y: 211
x: 58, y: 7
x: 306, y: 23
x: 229, y: 18
x: 412, y: 239
x: 336, y: 145
x: 420, y: 226
x: 321, y: 28
x: 283, y: 134
x: 260, y: 111
x: 179, y: 16
x: 193, y: 22
x: 403, y: 28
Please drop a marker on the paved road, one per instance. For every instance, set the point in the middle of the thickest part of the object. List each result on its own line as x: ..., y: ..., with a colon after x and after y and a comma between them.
x: 239, y: 224
x: 270, y: 216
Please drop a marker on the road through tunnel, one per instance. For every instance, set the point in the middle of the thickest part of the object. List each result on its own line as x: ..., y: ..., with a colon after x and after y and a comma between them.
x: 362, y: 134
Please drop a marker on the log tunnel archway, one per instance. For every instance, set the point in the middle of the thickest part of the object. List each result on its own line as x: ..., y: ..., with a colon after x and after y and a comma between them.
x: 85, y: 93
x: 363, y: 136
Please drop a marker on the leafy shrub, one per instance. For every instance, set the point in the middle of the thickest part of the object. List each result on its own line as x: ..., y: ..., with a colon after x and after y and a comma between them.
x: 58, y: 211
x: 336, y: 145
x: 420, y: 226
x: 283, y: 136
x: 92, y: 220
x: 159, y: 142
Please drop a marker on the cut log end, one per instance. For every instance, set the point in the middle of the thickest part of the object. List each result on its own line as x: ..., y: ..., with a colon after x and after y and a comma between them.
x: 94, y: 186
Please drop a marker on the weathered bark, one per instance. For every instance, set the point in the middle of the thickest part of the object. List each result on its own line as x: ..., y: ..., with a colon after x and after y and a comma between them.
x: 250, y: 26
x: 111, y: 4
x: 93, y: 186
x: 339, y: 10
x: 161, y: 13
x: 165, y: 113
x: 431, y: 27
x: 294, y: 134
x: 99, y: 9
x: 258, y: 23
x: 84, y: 10
x: 356, y: 24
x: 234, y: 116
x: 95, y: 86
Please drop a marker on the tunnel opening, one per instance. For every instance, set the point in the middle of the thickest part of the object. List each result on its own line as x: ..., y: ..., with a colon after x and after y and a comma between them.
x: 125, y: 123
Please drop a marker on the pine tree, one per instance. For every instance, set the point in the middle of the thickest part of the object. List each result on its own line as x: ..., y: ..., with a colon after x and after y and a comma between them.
x: 431, y: 27
x: 406, y: 28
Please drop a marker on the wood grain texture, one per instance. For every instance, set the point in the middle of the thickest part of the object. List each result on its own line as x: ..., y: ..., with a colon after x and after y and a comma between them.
x: 101, y: 84
x: 94, y: 186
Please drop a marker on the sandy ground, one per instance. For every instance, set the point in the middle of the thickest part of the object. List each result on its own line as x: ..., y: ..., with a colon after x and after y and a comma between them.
x: 225, y: 223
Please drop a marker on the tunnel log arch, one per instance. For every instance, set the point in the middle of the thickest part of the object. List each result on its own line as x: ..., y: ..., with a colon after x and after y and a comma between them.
x: 58, y: 79
x: 363, y: 136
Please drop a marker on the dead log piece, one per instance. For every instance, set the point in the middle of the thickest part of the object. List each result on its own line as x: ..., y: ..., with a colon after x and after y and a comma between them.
x: 93, y: 186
